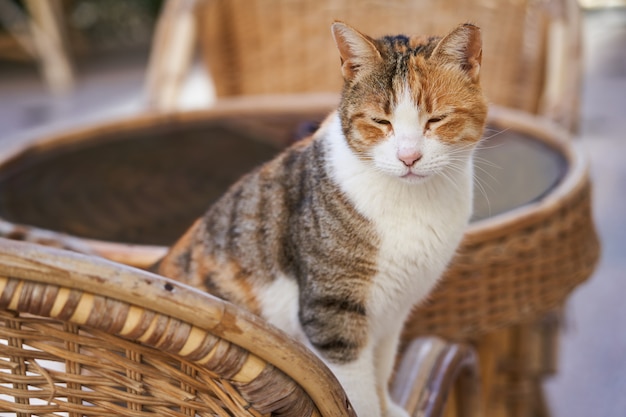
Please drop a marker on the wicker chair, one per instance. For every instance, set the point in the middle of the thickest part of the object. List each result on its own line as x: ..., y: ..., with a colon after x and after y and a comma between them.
x: 531, y: 60
x: 86, y: 336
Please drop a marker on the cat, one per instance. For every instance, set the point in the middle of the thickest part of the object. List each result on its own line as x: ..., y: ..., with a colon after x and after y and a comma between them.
x: 337, y: 238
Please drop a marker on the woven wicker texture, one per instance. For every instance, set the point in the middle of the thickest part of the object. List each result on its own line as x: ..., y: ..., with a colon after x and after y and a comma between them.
x: 530, y: 60
x: 89, y: 337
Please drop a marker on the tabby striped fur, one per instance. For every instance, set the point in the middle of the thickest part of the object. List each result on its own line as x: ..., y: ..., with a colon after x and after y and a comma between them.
x: 337, y: 238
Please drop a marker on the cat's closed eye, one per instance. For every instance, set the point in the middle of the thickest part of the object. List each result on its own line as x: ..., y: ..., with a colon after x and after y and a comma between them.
x: 436, y: 119
x: 381, y: 121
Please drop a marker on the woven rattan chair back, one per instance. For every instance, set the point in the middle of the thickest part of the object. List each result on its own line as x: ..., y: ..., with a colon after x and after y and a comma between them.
x: 530, y: 60
x: 84, y: 336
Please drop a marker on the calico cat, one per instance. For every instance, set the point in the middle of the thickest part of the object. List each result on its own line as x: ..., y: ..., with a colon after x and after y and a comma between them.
x: 337, y: 238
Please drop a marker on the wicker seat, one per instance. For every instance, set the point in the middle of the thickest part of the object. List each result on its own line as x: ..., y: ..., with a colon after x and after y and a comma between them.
x: 86, y: 336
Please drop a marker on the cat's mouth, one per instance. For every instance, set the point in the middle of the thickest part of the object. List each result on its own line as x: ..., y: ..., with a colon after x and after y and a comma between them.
x: 412, y: 176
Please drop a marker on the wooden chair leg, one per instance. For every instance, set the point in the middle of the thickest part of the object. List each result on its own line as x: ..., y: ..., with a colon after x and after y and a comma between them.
x: 171, y: 54
x: 429, y: 370
x: 514, y: 362
x: 48, y: 33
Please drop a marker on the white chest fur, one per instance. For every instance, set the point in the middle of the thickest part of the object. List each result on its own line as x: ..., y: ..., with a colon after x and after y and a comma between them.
x: 419, y: 225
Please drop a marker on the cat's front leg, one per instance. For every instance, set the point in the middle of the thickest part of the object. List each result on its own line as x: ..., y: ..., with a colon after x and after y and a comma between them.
x: 386, y: 352
x: 358, y: 380
x: 337, y: 329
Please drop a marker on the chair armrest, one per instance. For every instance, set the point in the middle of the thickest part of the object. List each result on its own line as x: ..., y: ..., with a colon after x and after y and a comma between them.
x: 428, y: 371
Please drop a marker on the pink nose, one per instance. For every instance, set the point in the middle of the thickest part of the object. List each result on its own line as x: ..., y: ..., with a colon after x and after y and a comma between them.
x: 409, y: 156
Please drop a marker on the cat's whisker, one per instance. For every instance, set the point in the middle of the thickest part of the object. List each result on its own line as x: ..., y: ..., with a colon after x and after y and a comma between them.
x: 462, y: 148
x: 453, y: 183
x: 484, y: 146
x: 499, y: 132
x: 487, y: 173
x: 478, y: 181
x: 486, y: 162
x: 490, y: 129
x: 479, y: 184
x: 452, y: 168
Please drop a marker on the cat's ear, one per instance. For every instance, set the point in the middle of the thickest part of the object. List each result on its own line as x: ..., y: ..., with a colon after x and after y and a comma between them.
x: 357, y: 50
x: 463, y: 47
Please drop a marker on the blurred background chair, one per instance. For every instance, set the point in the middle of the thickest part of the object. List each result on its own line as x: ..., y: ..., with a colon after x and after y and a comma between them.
x: 86, y: 336
x: 531, y: 57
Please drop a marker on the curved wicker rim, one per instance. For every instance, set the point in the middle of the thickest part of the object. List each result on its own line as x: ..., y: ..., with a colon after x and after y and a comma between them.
x: 553, y: 136
x: 145, y: 255
x: 140, y: 288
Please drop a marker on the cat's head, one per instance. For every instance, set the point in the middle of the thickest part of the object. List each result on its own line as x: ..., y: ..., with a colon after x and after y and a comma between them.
x: 411, y: 106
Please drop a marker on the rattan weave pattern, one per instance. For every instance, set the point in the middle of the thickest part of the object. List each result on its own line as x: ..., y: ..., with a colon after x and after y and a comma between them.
x: 113, y: 375
x: 94, y: 384
x: 67, y: 349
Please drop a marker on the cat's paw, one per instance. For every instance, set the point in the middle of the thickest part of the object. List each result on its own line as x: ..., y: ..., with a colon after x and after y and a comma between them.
x: 394, y: 410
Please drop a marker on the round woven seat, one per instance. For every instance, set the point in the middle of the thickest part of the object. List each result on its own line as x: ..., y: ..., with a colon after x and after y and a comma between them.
x: 127, y: 189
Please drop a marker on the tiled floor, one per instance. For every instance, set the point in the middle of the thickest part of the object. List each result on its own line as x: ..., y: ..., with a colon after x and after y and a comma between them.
x: 592, y: 377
